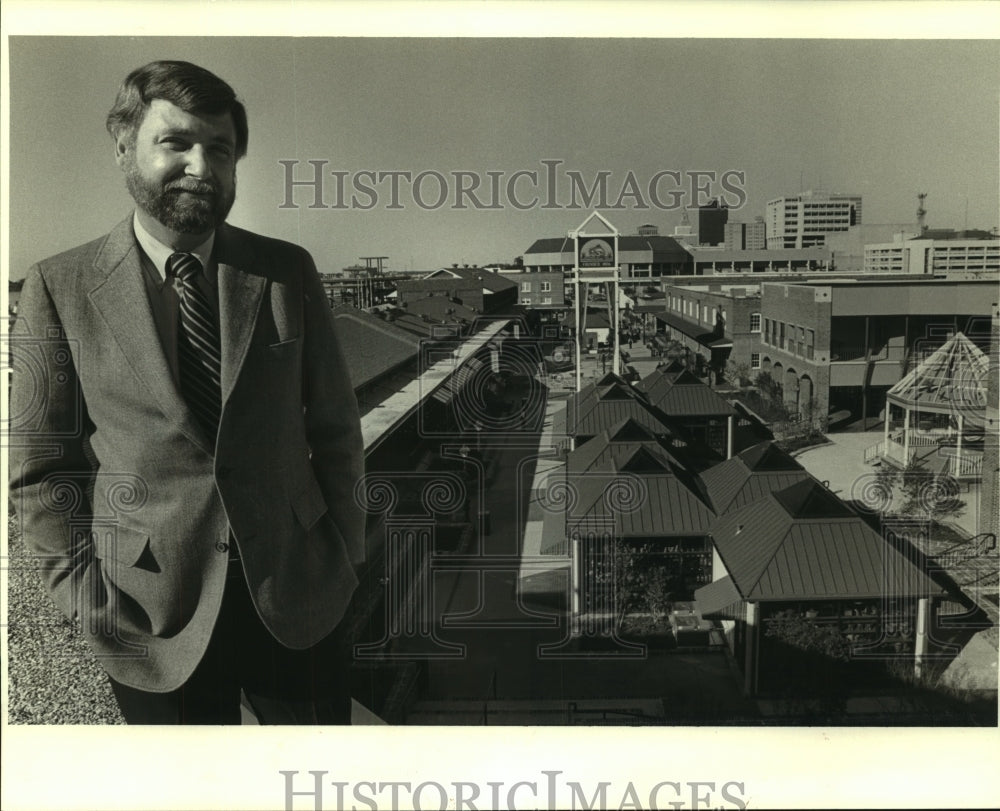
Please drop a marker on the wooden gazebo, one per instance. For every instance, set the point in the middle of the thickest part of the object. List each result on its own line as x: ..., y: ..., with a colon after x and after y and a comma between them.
x: 942, y: 403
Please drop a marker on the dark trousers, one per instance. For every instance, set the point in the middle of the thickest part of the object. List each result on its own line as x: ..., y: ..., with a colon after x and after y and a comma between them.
x: 281, y: 685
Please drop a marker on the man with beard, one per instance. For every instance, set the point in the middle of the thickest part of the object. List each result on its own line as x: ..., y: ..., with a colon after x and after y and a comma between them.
x: 185, y: 439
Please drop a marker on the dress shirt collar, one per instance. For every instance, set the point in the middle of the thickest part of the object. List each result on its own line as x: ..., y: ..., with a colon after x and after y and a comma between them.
x: 159, y: 253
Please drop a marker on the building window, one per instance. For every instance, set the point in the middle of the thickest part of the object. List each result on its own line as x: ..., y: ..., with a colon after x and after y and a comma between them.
x: 715, y: 315
x: 525, y: 287
x: 754, y: 322
x: 755, y: 360
x: 704, y: 313
x: 546, y: 287
x: 546, y: 299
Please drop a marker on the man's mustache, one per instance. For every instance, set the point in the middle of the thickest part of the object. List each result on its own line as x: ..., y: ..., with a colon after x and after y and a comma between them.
x: 192, y: 187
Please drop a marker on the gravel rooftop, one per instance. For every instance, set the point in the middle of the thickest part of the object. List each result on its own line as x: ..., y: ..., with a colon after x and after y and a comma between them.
x: 52, y: 676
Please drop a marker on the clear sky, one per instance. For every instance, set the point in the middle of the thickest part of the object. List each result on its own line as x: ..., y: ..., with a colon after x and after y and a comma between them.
x: 886, y: 119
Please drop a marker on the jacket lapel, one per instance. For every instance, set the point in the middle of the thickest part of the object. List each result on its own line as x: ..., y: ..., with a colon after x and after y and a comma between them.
x: 120, y: 297
x: 241, y: 288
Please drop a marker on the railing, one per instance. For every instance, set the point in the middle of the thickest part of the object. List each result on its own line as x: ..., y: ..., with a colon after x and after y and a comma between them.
x: 898, y: 452
x: 875, y: 452
x: 925, y: 440
x: 966, y: 466
x: 982, y: 544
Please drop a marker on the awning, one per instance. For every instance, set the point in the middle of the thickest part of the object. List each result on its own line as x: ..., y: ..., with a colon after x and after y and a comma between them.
x: 697, y: 332
x: 721, y: 600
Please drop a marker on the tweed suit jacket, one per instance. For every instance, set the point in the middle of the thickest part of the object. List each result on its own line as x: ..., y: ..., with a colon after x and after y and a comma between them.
x: 129, y: 506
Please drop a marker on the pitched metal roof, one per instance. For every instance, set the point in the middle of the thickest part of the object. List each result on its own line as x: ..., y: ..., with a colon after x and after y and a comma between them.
x: 637, y: 505
x: 721, y: 599
x: 659, y: 381
x: 480, y: 277
x: 750, y: 475
x: 807, y: 500
x: 551, y: 245
x: 790, y: 545
x: 372, y: 347
x: 594, y: 416
x: 606, y: 453
x: 691, y: 400
x: 663, y: 248
x: 666, y: 373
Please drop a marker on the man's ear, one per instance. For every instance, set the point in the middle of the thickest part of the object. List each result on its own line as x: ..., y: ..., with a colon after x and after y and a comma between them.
x: 123, y: 143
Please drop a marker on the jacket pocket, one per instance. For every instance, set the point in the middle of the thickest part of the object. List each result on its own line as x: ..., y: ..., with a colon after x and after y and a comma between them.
x: 309, y: 504
x: 282, y: 348
x: 120, y: 543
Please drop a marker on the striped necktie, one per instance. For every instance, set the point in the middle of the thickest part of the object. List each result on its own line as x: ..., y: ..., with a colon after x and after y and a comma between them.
x: 198, y: 353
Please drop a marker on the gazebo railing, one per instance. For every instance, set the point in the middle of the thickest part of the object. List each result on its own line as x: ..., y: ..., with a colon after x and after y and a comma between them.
x: 874, y: 452
x: 898, y: 452
x: 970, y: 466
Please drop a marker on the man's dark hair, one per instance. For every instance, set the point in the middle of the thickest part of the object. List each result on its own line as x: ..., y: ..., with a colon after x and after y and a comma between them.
x: 189, y: 87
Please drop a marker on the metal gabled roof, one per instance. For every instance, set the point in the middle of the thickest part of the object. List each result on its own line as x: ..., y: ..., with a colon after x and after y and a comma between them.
x: 602, y: 413
x: 720, y: 599
x: 629, y: 431
x: 660, y: 380
x: 614, y: 389
x: 789, y: 545
x: 658, y: 504
x: 590, y: 454
x: 603, y: 452
x: 666, y: 373
x: 679, y: 393
x: 479, y: 277
x: 750, y: 475
x: 689, y: 400
x: 551, y: 245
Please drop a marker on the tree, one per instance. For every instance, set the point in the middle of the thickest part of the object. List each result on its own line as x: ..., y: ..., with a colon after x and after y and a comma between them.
x: 738, y: 374
x: 770, y: 389
x: 646, y: 581
x: 921, y: 493
x: 927, y: 494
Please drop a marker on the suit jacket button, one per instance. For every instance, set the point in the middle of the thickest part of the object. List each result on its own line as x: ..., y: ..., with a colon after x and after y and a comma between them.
x: 221, y: 546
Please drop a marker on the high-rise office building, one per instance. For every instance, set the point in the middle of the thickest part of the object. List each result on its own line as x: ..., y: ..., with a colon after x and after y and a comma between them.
x: 712, y: 219
x: 745, y: 236
x: 804, y: 220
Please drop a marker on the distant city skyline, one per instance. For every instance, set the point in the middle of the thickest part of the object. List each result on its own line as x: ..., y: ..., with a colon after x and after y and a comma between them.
x: 883, y: 119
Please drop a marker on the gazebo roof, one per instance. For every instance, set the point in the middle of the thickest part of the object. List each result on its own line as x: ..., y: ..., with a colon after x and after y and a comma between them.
x: 952, y: 379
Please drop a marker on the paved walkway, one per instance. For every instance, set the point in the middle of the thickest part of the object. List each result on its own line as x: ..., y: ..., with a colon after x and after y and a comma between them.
x: 516, y: 658
x: 842, y: 464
